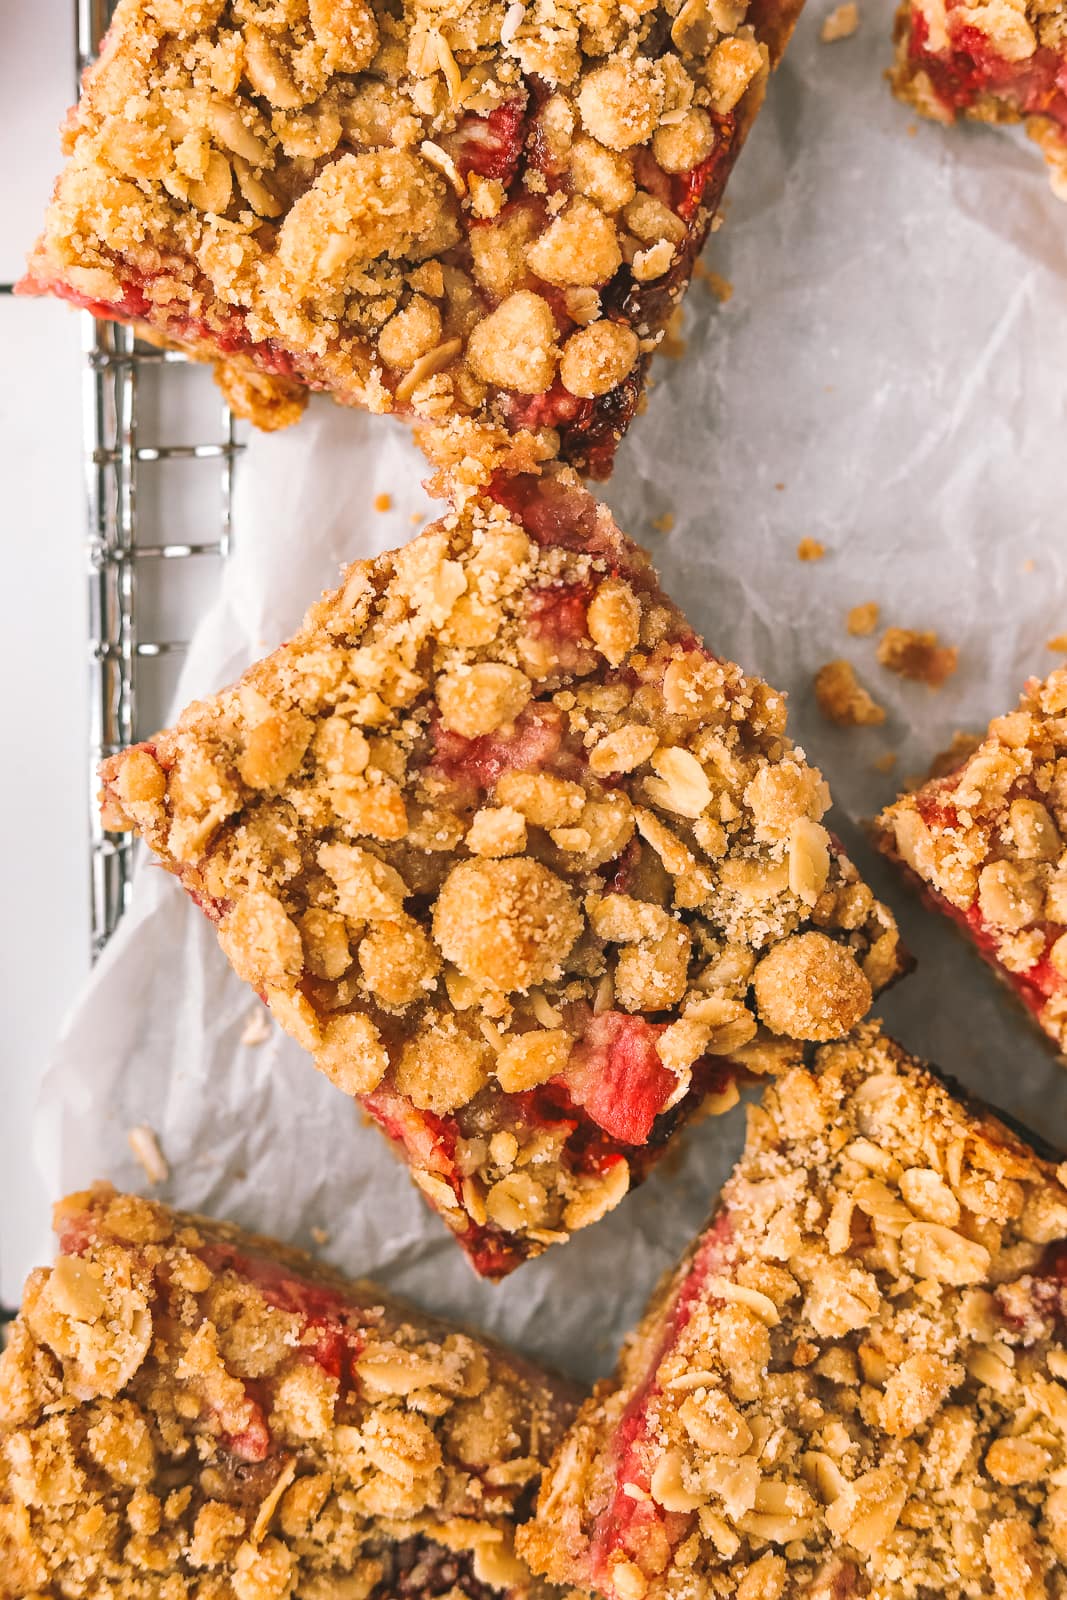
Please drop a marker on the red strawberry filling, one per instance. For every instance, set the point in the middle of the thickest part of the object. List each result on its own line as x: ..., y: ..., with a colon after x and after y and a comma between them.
x: 1036, y: 984
x: 617, y: 1077
x: 531, y: 743
x: 971, y: 66
x: 629, y: 1522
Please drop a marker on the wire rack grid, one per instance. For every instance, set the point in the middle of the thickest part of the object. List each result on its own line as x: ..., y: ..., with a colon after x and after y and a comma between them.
x: 160, y: 450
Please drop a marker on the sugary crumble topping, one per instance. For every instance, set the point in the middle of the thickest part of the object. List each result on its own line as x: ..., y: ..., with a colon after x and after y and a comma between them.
x: 520, y: 863
x: 997, y: 61
x: 191, y: 1413
x: 453, y: 209
x: 918, y: 656
x: 862, y: 620
x: 840, y: 23
x: 843, y: 699
x: 856, y: 1382
x: 987, y: 841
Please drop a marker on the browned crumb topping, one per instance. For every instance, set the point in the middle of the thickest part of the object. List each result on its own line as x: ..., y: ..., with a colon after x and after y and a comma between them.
x: 426, y: 207
x: 863, y: 619
x: 843, y: 699
x: 989, y: 835
x: 810, y: 550
x: 864, y: 1392
x: 917, y: 656
x: 960, y: 748
x: 190, y: 1413
x: 492, y: 799
x: 841, y: 23
x: 994, y: 61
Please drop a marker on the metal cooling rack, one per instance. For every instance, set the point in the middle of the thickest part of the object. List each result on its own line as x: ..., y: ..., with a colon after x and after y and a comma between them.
x: 159, y: 457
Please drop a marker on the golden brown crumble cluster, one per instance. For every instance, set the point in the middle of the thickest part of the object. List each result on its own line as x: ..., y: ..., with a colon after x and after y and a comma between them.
x: 856, y: 1383
x: 993, y: 61
x: 491, y: 807
x: 843, y: 699
x: 190, y: 1413
x: 990, y: 839
x: 419, y: 207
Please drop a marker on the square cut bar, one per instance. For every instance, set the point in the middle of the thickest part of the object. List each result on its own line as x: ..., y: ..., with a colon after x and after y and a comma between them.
x: 987, y: 846
x: 188, y: 1412
x: 854, y: 1384
x: 466, y: 211
x: 995, y: 62
x: 516, y: 859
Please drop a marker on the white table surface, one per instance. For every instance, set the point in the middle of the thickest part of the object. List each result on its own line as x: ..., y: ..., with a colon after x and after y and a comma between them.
x: 44, y: 931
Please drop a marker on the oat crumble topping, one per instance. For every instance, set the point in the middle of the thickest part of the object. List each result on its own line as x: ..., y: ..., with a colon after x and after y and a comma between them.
x: 997, y: 61
x: 854, y: 1384
x: 987, y: 841
x: 465, y: 211
x: 188, y: 1412
x: 523, y: 866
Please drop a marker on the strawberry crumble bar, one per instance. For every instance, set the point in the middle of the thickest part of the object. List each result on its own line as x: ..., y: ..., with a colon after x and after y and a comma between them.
x: 477, y: 214
x: 192, y: 1413
x: 998, y: 61
x: 987, y: 843
x: 856, y: 1381
x: 526, y: 869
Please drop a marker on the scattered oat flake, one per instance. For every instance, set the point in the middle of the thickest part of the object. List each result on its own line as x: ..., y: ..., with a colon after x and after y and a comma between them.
x: 665, y: 523
x: 885, y: 762
x: 810, y: 550
x: 1059, y: 643
x: 843, y: 699
x: 320, y: 1236
x: 863, y: 619
x: 257, y: 1027
x: 383, y: 502
x: 841, y: 23
x: 917, y: 656
x: 145, y: 1146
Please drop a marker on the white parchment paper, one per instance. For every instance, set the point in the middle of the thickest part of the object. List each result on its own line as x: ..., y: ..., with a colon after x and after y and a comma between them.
x: 888, y: 378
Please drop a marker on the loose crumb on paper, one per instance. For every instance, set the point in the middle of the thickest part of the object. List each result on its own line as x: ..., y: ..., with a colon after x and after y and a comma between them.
x: 810, y: 550
x: 917, y: 656
x: 841, y: 23
x: 320, y: 1236
x: 863, y: 619
x: 257, y: 1028
x: 145, y: 1146
x: 665, y: 523
x: 885, y: 762
x: 719, y: 286
x: 843, y: 699
x: 672, y: 345
x: 1029, y: 564
x: 1059, y: 644
x: 383, y: 502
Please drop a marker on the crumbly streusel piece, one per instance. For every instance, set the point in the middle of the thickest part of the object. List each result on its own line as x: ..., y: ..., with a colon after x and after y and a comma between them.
x: 988, y: 845
x: 992, y: 61
x: 466, y: 211
x: 520, y: 863
x: 854, y: 1382
x: 189, y: 1412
